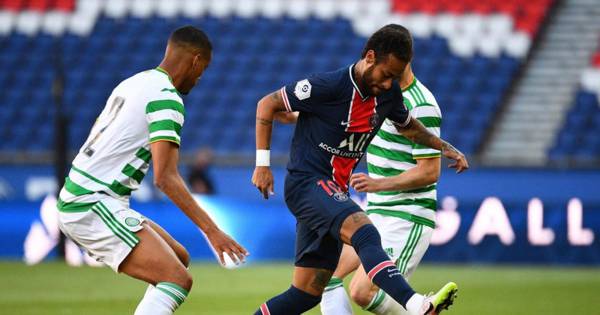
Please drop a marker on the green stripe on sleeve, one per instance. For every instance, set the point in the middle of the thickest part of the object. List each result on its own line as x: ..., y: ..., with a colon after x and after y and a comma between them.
x: 427, y: 155
x: 383, y: 171
x: 430, y: 121
x: 399, y: 156
x: 166, y: 124
x: 412, y: 191
x: 165, y: 104
x: 165, y: 138
x: 393, y: 138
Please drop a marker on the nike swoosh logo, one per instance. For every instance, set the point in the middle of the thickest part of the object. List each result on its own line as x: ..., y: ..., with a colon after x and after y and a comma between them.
x: 346, y: 123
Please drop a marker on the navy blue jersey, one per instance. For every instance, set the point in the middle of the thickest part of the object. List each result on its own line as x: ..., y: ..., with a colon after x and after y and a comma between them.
x: 337, y: 121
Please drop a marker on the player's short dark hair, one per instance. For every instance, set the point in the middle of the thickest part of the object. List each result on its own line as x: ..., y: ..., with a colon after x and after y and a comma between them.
x: 191, y: 37
x: 391, y: 39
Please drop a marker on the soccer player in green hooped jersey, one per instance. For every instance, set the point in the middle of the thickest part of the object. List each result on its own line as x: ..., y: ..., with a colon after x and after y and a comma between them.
x: 401, y: 195
x: 141, y: 122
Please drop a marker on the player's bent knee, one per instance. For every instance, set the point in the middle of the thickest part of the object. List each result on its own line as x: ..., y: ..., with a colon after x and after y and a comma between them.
x: 183, y: 255
x: 184, y: 279
x: 360, y: 295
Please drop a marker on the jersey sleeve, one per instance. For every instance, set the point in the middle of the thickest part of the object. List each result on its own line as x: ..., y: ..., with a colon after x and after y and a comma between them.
x: 308, y: 95
x: 165, y: 119
x: 431, y: 117
x: 399, y: 114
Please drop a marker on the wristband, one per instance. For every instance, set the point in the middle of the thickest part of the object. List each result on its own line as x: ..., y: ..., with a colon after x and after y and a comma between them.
x: 263, y: 157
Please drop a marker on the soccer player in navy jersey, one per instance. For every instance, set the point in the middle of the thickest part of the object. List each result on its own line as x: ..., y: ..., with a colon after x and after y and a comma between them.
x: 340, y: 112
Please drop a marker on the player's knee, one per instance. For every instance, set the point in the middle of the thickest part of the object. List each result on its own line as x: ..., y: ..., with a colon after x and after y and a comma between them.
x: 184, y: 255
x: 183, y: 278
x: 360, y: 295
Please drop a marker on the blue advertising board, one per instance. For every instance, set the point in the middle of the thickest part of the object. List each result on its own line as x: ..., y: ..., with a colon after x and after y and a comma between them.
x: 484, y: 216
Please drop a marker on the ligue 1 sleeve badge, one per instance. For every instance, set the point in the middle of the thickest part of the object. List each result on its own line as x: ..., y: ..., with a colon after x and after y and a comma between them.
x: 302, y: 89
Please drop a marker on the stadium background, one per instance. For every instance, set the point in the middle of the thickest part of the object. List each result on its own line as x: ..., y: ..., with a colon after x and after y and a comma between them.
x: 518, y: 83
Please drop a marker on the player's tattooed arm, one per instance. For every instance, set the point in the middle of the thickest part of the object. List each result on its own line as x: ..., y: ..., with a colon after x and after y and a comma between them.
x: 262, y: 178
x: 417, y: 133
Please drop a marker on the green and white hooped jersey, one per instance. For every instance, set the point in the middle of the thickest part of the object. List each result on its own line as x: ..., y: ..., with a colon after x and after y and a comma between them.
x: 390, y: 154
x: 114, y: 159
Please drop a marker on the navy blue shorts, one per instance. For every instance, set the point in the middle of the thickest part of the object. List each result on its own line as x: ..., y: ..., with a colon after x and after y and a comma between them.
x: 320, y: 207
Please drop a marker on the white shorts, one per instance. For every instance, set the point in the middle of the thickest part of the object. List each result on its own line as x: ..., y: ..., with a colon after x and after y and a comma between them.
x: 106, y: 231
x: 404, y: 241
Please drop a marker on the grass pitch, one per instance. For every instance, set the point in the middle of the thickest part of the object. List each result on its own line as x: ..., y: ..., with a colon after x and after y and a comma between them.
x: 54, y: 288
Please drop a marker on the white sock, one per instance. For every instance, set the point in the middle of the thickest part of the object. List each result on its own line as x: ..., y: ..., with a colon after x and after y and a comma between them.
x: 415, y: 304
x: 383, y: 304
x: 163, y: 299
x: 335, y: 300
x: 148, y: 289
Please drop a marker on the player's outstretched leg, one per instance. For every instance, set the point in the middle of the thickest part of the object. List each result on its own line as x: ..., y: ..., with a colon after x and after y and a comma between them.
x: 179, y: 250
x: 304, y: 293
x: 371, y: 298
x: 335, y: 300
x: 358, y: 231
x: 155, y: 262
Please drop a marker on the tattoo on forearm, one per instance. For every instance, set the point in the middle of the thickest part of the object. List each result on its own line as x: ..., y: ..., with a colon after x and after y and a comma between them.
x: 448, y: 147
x: 425, y: 138
x: 264, y: 122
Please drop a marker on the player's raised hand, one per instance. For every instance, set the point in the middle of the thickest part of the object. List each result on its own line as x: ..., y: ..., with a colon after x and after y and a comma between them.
x: 460, y: 161
x: 263, y: 180
x: 362, y: 182
x: 223, y: 244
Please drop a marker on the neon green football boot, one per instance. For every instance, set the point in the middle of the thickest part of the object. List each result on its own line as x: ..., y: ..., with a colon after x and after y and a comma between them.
x: 436, y: 303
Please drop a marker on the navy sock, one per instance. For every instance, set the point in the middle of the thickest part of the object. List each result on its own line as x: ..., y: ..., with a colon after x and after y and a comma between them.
x: 291, y: 302
x: 380, y: 269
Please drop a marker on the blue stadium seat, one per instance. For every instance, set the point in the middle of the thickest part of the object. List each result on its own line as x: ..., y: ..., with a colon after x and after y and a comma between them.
x: 246, y: 65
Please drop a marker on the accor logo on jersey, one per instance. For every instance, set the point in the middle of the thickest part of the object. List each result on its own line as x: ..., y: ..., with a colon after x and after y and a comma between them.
x: 362, y: 118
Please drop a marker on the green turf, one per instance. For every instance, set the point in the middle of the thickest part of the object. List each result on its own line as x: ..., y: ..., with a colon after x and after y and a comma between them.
x: 53, y: 288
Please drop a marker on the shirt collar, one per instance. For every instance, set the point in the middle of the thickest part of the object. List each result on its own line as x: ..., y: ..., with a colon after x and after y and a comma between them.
x: 159, y: 69
x: 363, y: 96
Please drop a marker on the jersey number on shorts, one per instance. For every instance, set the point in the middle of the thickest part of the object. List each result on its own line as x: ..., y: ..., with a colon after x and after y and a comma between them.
x: 330, y: 187
x: 115, y: 108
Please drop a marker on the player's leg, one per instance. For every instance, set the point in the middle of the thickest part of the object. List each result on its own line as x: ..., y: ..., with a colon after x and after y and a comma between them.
x: 335, y: 300
x: 406, y: 243
x: 371, y: 298
x: 357, y: 230
x: 118, y: 236
x: 179, y: 250
x: 155, y: 262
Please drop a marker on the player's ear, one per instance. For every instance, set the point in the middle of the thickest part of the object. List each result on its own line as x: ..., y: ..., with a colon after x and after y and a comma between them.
x: 370, y: 57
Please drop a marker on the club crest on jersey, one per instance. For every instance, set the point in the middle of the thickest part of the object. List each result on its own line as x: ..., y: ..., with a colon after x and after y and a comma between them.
x: 374, y: 120
x: 132, y: 221
x: 302, y: 90
x: 340, y: 196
